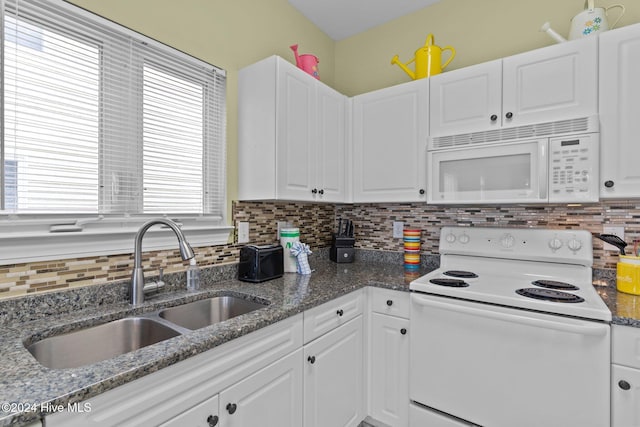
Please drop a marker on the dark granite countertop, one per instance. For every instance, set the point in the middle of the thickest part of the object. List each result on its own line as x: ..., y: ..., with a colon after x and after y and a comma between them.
x: 625, y: 308
x: 24, y: 381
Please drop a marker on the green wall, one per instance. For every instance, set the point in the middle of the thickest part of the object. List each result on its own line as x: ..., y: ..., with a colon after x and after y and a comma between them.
x: 235, y: 33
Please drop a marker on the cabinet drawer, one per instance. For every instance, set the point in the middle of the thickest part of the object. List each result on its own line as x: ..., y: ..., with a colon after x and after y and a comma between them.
x: 626, y: 346
x: 320, y: 320
x: 204, y: 414
x: 387, y: 301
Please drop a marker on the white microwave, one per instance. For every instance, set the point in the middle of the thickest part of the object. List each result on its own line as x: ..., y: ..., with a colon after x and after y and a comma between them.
x: 563, y: 169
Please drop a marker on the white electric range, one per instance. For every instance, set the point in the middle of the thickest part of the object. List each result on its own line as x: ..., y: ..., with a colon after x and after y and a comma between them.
x: 510, y: 331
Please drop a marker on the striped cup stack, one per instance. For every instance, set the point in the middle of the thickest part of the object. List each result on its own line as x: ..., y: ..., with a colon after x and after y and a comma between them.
x: 411, y: 239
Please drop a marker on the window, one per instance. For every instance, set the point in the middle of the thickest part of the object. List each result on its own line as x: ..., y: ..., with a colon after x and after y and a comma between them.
x: 101, y: 124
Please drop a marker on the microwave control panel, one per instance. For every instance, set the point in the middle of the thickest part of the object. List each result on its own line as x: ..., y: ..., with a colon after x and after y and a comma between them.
x: 574, y: 168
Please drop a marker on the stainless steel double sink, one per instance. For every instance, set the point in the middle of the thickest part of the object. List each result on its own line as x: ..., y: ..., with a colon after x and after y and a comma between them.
x: 102, y: 342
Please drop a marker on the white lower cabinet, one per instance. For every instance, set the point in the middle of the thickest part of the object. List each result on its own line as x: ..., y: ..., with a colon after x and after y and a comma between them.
x: 389, y: 370
x: 333, y: 378
x: 625, y: 376
x: 388, y: 351
x: 625, y: 397
x: 271, y: 397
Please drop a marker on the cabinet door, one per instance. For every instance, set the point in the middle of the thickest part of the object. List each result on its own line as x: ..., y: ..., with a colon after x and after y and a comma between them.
x: 389, y: 143
x: 203, y: 415
x: 333, y: 378
x: 270, y: 397
x: 296, y: 133
x: 555, y: 82
x: 390, y: 370
x: 331, y: 145
x: 619, y: 112
x: 466, y: 100
x: 625, y: 397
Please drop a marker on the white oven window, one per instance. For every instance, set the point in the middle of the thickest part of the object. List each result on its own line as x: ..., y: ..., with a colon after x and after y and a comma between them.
x: 513, y: 172
x: 486, y: 174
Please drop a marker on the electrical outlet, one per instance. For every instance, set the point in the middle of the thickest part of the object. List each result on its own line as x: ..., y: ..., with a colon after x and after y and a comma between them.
x: 243, y: 232
x: 398, y: 229
x: 612, y: 229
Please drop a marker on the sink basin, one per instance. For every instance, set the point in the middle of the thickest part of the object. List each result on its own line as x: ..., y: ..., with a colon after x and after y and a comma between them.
x: 206, y: 312
x: 99, y: 342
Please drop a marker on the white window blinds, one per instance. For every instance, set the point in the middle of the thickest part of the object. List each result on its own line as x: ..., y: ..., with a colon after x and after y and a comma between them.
x: 100, y: 120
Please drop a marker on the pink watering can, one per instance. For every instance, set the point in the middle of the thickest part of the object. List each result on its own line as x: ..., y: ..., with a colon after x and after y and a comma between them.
x: 306, y: 62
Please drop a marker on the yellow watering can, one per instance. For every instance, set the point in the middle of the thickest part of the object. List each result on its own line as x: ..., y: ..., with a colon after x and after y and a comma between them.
x: 428, y: 60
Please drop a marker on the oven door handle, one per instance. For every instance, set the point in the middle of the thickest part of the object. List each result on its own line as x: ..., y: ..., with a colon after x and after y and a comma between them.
x: 595, y: 329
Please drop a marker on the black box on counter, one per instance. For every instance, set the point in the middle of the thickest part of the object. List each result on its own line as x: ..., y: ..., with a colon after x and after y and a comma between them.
x: 341, y: 254
x: 343, y: 241
x: 260, y: 263
x: 342, y: 248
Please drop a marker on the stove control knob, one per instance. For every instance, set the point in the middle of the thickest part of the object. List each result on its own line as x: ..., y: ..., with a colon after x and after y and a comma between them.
x: 464, y: 238
x: 555, y: 244
x: 507, y: 241
x: 574, y: 244
x: 450, y: 238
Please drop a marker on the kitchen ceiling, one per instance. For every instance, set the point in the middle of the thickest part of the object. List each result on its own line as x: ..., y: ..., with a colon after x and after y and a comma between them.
x: 340, y: 19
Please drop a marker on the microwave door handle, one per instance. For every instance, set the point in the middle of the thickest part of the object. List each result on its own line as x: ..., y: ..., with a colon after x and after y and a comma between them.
x: 543, y: 167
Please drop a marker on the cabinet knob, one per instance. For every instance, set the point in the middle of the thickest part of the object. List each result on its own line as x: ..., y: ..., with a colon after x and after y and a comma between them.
x: 421, y: 191
x: 231, y: 407
x: 509, y: 115
x: 389, y: 302
x: 493, y: 117
x: 314, y: 191
x: 212, y: 420
x: 311, y: 359
x: 321, y: 191
x: 340, y: 312
x: 403, y: 331
x: 624, y: 385
x: 609, y: 184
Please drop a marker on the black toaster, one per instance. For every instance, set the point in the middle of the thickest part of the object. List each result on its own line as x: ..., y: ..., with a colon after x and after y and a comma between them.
x: 260, y: 263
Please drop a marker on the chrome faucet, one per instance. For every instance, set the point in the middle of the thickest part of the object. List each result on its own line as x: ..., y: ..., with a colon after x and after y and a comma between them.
x: 137, y: 278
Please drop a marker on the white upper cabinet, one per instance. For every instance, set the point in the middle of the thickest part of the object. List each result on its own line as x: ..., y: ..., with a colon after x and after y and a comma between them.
x: 331, y: 145
x: 389, y: 143
x: 620, y: 112
x: 296, y: 112
x: 543, y: 85
x: 465, y: 100
x: 291, y: 135
x: 550, y: 84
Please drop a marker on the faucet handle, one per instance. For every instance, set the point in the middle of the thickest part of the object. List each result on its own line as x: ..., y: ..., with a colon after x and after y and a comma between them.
x: 153, y: 287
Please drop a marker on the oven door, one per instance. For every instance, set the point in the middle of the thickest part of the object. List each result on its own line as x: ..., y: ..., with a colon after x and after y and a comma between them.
x: 500, y: 173
x: 501, y: 367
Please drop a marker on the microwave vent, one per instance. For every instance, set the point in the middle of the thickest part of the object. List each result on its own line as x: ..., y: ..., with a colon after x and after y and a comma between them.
x: 560, y: 127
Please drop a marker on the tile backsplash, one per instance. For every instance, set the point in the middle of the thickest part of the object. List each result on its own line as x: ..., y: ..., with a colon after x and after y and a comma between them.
x: 373, y: 229
x: 315, y: 222
x: 374, y: 222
